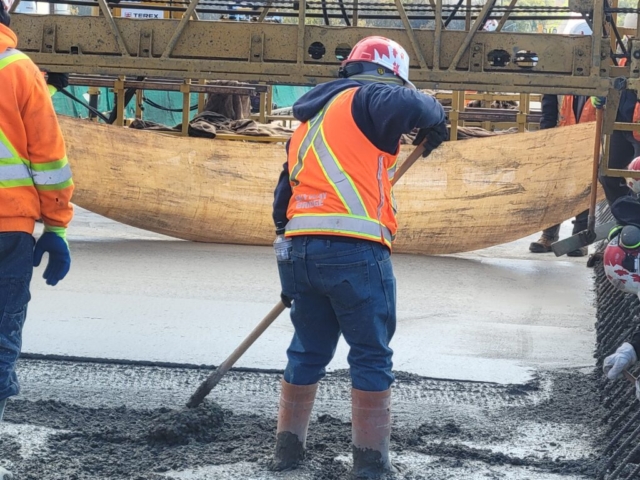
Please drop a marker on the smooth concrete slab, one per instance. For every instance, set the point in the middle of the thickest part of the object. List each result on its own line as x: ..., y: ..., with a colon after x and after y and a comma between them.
x: 493, y: 315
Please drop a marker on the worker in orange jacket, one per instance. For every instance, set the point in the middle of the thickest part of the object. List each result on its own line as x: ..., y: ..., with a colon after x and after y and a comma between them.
x: 335, y: 207
x: 35, y: 182
x: 561, y: 111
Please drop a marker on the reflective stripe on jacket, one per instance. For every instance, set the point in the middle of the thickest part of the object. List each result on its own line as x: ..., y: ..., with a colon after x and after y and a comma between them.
x: 341, y: 183
x: 35, y: 177
x: 566, y: 115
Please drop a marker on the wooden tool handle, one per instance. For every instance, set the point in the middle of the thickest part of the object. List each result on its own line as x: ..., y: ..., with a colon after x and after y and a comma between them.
x: 212, y: 380
x: 591, y: 225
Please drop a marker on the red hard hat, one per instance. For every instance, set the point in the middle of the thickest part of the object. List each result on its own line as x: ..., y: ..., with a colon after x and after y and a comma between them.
x: 384, y: 52
x: 621, y: 267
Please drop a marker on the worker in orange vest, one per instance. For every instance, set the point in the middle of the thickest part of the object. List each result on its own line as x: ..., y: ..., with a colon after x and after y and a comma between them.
x: 563, y: 111
x: 335, y: 207
x: 35, y: 182
x: 623, y: 146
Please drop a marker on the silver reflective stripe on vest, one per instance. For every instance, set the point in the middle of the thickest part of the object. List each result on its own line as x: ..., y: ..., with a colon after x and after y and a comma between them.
x: 314, y: 126
x: 338, y: 177
x: 52, y: 177
x: 9, y: 52
x: 13, y: 172
x: 339, y: 224
x: 392, y: 171
x: 5, y: 152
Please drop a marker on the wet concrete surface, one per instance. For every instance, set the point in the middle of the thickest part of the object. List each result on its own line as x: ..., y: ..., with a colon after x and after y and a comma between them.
x: 493, y: 360
x: 91, y: 421
x: 494, y: 315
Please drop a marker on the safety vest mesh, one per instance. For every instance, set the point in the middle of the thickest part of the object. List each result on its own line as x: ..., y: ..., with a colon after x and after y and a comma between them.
x: 566, y: 115
x: 341, y: 182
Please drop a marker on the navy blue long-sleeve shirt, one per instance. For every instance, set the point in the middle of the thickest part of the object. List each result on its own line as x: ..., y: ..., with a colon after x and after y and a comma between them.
x: 383, y: 113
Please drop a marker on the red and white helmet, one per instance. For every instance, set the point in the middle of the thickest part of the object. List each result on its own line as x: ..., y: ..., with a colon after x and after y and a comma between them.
x: 384, y: 52
x: 622, y: 260
x: 634, y: 183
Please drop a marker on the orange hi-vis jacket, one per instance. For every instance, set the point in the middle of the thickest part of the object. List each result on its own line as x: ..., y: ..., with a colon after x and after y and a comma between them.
x: 567, y: 117
x: 35, y: 177
x: 340, y: 182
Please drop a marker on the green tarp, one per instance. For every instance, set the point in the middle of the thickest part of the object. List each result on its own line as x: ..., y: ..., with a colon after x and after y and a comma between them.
x: 283, y: 96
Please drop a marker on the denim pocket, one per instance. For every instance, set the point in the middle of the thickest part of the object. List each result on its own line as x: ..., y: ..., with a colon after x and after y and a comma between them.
x: 14, y: 295
x: 346, y: 285
x: 11, y: 335
x: 287, y: 279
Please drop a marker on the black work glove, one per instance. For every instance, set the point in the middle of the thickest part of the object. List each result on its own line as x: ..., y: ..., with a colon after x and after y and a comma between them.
x: 58, y: 80
x: 286, y: 300
x: 434, y: 135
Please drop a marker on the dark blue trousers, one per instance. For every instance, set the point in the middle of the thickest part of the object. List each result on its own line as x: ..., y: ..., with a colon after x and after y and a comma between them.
x: 16, y: 268
x: 340, y: 286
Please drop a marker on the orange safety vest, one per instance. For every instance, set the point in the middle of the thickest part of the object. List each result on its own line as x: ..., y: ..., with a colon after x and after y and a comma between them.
x: 567, y: 117
x: 341, y: 183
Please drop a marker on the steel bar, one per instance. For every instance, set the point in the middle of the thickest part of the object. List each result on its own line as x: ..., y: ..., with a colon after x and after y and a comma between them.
x: 265, y: 10
x: 505, y: 17
x: 411, y: 34
x: 437, y: 43
x: 300, y: 53
x: 472, y: 32
x: 616, y: 473
x: 170, y: 87
x: 104, y: 8
x: 180, y: 30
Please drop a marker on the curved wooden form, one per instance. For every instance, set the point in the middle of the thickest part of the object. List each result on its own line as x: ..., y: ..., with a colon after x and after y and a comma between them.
x: 466, y: 196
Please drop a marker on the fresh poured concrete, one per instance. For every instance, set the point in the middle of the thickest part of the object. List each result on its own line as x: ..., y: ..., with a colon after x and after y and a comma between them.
x: 494, y: 315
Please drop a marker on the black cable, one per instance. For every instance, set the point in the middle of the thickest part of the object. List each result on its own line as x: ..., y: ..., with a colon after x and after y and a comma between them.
x: 88, y: 107
x: 453, y: 13
x: 344, y: 13
x: 167, y: 109
x: 325, y: 14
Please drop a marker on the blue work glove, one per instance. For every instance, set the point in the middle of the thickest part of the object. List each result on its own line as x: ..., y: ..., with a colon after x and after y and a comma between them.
x: 598, y: 102
x: 59, y: 258
x: 434, y: 135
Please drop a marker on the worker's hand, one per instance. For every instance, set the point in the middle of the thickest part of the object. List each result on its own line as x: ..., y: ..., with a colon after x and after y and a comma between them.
x: 615, y: 364
x: 434, y: 135
x: 286, y: 300
x: 598, y: 102
x: 58, y: 80
x: 59, y: 258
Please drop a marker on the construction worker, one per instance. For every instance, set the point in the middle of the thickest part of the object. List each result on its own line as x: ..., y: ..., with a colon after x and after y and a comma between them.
x: 624, y: 146
x: 621, y: 266
x: 334, y: 199
x: 560, y: 111
x: 35, y: 182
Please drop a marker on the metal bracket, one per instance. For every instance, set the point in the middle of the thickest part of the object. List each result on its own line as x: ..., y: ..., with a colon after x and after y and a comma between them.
x: 634, y: 48
x: 476, y: 61
x: 257, y: 48
x: 581, y: 62
x: 145, y: 44
x: 48, y: 39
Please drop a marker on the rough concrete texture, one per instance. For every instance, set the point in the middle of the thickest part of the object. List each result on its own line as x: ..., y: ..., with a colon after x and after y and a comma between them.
x: 618, y: 317
x: 118, y: 426
x: 483, y: 346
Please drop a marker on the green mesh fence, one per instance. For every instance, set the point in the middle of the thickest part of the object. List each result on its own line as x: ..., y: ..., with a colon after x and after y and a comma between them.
x: 283, y: 96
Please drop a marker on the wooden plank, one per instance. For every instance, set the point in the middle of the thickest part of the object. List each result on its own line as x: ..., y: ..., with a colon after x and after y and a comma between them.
x: 467, y: 195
